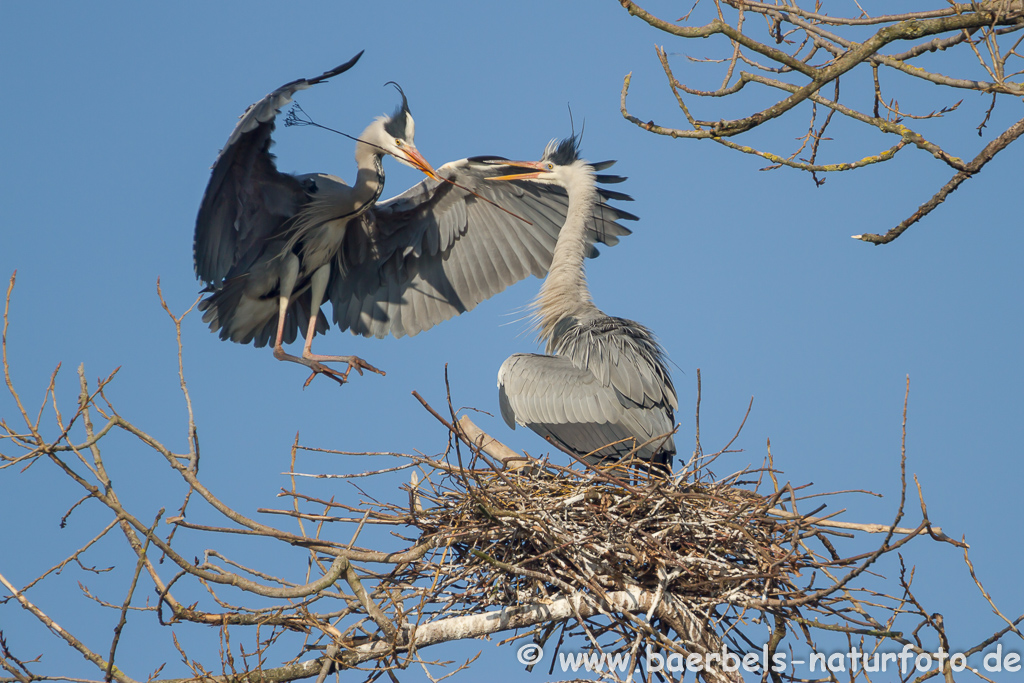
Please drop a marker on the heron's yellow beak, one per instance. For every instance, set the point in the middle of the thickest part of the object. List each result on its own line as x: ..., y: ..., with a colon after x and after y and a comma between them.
x: 414, y: 157
x: 537, y: 165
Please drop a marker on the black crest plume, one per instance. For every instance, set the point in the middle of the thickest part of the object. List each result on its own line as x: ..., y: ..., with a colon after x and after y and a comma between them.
x: 397, y: 124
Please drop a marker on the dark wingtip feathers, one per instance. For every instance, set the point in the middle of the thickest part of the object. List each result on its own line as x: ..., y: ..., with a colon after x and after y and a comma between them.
x: 340, y: 69
x: 612, y: 194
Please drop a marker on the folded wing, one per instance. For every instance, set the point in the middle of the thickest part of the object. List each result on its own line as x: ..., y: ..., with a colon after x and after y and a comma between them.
x: 572, y: 407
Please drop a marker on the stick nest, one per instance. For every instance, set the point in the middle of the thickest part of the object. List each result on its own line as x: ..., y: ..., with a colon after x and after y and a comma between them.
x: 526, y: 535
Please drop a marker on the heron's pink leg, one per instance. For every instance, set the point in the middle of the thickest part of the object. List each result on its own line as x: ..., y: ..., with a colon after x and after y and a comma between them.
x: 317, y: 290
x: 288, y: 276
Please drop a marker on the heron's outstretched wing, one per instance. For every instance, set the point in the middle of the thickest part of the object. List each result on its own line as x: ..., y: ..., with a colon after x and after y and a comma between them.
x: 438, y: 250
x: 248, y: 199
x: 571, y: 406
x: 621, y: 354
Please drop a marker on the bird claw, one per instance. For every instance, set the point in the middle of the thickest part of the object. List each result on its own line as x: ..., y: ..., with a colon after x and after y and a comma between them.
x: 316, y: 364
x: 358, y: 364
x: 321, y: 369
x: 355, y: 363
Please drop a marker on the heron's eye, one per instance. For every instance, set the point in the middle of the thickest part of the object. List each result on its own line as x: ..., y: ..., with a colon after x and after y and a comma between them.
x: 398, y: 143
x: 551, y: 166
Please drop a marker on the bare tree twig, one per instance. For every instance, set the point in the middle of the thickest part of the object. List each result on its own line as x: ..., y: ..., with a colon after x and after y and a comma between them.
x: 962, y: 28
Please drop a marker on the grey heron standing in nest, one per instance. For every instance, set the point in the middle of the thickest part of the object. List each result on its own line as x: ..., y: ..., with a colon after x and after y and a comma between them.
x: 603, y: 391
x: 272, y: 246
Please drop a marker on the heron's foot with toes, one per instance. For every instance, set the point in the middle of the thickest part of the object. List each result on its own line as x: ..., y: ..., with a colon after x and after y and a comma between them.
x: 321, y: 369
x: 316, y: 364
x: 354, y: 363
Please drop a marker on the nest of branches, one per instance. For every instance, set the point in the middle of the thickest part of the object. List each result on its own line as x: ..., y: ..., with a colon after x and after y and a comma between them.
x: 542, y: 530
x: 625, y: 555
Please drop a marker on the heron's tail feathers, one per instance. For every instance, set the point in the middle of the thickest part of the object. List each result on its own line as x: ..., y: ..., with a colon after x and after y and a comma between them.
x: 243, y: 318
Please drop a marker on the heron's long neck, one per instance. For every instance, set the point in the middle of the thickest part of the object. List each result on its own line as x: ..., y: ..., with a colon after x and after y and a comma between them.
x: 564, y: 293
x: 369, y: 182
x: 321, y: 224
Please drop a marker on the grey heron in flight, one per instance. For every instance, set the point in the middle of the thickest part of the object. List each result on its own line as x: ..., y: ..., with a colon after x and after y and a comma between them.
x: 603, y: 390
x: 265, y: 241
x: 271, y: 246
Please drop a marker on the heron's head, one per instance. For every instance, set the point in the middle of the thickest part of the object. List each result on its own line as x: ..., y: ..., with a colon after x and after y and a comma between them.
x: 395, y: 135
x: 560, y: 165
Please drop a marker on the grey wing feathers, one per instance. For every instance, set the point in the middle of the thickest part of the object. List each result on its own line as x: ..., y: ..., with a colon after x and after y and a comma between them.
x: 440, y: 250
x: 571, y: 406
x: 622, y: 354
x: 247, y: 198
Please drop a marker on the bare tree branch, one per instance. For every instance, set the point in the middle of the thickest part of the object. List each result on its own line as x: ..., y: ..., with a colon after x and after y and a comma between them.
x: 619, y: 560
x: 961, y: 27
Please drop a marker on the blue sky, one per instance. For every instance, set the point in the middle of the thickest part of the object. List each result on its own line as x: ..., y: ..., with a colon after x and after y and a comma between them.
x: 115, y: 113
